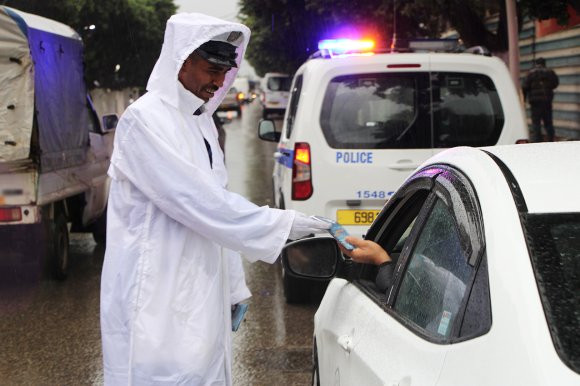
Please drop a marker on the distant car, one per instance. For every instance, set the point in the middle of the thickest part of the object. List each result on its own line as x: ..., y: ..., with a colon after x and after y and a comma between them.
x: 486, y: 287
x: 242, y: 84
x: 351, y: 116
x: 231, y: 101
x: 275, y: 92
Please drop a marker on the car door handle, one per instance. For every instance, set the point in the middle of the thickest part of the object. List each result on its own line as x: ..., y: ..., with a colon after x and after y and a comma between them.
x: 345, y: 342
x: 403, y: 164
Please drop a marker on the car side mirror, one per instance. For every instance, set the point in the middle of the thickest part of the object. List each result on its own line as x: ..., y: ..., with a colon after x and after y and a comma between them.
x: 267, y: 131
x: 110, y: 122
x: 312, y: 258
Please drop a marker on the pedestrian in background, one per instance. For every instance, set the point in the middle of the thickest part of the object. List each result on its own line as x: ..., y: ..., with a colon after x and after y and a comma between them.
x: 172, y: 267
x: 538, y: 90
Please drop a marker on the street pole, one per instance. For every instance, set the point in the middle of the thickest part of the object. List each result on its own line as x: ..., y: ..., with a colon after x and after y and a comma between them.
x: 513, y: 42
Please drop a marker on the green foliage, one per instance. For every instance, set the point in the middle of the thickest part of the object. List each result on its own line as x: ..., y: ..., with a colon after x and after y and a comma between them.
x: 543, y: 9
x: 285, y: 32
x: 128, y: 33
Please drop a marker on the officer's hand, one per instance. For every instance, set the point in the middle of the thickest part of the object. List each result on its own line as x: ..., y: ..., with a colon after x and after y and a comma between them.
x: 304, y: 225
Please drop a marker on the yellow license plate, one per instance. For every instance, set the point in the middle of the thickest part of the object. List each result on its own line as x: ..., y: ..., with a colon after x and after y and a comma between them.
x: 356, y: 217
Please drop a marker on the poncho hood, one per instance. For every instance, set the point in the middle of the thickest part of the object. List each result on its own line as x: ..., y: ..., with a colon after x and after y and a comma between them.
x: 184, y: 33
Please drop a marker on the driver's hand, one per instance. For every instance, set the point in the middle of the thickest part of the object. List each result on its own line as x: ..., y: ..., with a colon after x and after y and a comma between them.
x: 365, y: 251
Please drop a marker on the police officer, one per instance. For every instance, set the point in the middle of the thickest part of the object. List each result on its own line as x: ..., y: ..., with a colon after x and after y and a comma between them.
x: 538, y: 90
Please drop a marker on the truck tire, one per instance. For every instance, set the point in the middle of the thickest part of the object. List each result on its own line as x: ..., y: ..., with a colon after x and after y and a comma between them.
x: 60, y: 247
x: 99, y: 229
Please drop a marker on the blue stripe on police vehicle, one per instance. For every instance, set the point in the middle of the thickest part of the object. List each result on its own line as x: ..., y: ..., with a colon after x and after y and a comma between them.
x: 354, y: 157
x: 286, y: 158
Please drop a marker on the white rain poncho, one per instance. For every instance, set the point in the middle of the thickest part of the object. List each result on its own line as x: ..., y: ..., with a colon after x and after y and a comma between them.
x: 168, y: 280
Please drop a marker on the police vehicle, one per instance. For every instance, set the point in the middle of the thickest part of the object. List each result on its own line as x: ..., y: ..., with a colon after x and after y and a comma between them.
x: 359, y: 121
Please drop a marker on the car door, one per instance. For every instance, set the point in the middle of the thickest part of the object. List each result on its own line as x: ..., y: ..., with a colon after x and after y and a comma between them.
x: 284, y: 155
x: 348, y: 311
x: 436, y: 236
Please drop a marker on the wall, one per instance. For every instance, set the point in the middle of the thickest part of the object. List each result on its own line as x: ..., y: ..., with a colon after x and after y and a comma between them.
x: 113, y: 101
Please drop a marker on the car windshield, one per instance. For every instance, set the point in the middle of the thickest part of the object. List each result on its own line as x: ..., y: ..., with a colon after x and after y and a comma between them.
x: 554, y: 243
x: 279, y: 83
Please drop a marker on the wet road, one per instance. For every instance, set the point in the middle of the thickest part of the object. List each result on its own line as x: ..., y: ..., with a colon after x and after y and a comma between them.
x: 49, y: 330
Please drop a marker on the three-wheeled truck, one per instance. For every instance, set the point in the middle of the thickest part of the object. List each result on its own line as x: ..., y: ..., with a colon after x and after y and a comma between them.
x: 54, y: 152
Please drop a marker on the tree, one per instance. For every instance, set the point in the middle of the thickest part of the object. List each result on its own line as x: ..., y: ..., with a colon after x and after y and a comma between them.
x: 285, y: 32
x: 122, y: 38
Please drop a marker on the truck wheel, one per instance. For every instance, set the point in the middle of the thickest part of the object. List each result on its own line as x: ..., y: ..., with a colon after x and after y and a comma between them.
x: 60, y: 247
x: 99, y: 229
x: 296, y: 291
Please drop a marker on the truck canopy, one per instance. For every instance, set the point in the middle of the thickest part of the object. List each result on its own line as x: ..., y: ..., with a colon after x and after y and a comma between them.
x: 41, y: 68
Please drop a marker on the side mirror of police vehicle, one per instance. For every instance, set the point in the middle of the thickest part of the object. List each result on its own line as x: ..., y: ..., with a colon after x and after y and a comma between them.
x: 267, y: 131
x: 110, y: 122
x: 315, y: 258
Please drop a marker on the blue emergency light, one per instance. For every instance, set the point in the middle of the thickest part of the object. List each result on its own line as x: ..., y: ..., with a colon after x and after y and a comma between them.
x: 345, y: 45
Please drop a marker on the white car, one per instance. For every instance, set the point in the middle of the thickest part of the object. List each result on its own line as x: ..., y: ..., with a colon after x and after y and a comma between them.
x: 275, y: 92
x: 352, y: 116
x: 486, y: 285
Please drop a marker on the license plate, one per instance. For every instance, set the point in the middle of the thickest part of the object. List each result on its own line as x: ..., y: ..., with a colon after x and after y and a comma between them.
x: 356, y: 217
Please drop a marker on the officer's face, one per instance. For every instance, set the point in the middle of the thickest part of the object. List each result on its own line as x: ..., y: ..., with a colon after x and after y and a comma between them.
x: 201, y: 77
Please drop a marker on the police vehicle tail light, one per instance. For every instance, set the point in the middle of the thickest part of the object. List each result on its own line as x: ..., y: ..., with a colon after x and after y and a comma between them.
x: 10, y: 214
x: 301, y: 172
x: 404, y: 65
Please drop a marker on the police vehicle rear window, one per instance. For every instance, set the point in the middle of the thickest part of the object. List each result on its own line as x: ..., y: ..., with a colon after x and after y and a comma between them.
x: 466, y: 110
x: 279, y: 83
x: 376, y: 111
x: 411, y: 110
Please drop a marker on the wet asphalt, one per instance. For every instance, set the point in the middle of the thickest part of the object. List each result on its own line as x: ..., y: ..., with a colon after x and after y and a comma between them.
x: 49, y: 330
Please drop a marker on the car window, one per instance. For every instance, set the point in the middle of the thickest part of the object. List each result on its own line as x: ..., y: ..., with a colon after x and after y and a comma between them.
x: 437, y: 275
x: 377, y: 111
x: 466, y: 110
x: 293, y: 105
x: 554, y: 243
x: 279, y: 83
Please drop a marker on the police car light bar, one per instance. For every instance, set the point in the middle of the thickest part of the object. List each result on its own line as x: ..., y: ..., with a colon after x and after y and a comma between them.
x: 345, y: 45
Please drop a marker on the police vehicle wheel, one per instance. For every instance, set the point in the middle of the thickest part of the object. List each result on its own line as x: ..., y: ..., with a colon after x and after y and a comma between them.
x: 60, y: 247
x: 99, y: 229
x: 295, y: 290
x: 315, y: 375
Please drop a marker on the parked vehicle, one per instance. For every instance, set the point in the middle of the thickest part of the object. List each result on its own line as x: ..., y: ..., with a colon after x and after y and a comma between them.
x: 54, y: 153
x: 242, y: 84
x: 232, y: 101
x: 275, y: 91
x: 353, y: 116
x: 486, y: 244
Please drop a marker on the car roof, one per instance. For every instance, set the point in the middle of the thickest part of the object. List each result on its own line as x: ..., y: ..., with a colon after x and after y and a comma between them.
x: 455, y: 59
x: 548, y: 174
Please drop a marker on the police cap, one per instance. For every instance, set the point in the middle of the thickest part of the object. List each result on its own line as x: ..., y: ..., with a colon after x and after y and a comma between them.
x: 221, y: 50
